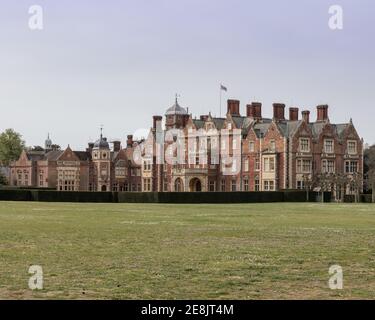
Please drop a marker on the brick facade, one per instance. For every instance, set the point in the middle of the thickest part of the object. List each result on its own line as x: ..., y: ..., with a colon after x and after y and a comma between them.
x: 267, y: 155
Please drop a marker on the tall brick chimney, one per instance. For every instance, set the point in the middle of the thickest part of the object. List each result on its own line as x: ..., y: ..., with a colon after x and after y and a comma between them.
x: 155, y: 121
x: 322, y: 111
x: 129, y: 142
x: 257, y: 110
x: 90, y: 147
x: 306, y: 116
x: 279, y: 111
x: 293, y: 114
x: 254, y: 110
x: 116, y: 146
x: 234, y: 107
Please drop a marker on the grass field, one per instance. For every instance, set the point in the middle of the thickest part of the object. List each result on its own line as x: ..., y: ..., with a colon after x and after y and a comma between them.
x: 149, y: 251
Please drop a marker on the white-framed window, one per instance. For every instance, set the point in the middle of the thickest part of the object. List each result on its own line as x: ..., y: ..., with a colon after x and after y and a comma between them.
x: 300, y: 185
x: 256, y: 184
x: 147, y: 165
x: 257, y: 164
x: 246, y: 165
x: 269, y: 185
x: 304, y: 144
x: 223, y: 185
x: 269, y: 164
x: 212, y: 186
x: 304, y: 166
x: 246, y: 185
x: 351, y: 166
x: 352, y: 147
x: 147, y: 184
x: 273, y: 145
x: 251, y: 146
x: 328, y: 146
x: 328, y: 166
x: 234, y: 185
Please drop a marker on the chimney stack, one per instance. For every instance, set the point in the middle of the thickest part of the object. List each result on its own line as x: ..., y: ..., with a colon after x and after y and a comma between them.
x: 90, y: 147
x: 116, y: 146
x: 322, y: 112
x: 306, y: 116
x: 279, y: 111
x: 234, y: 107
x: 156, y: 119
x: 129, y: 142
x: 293, y: 114
x: 254, y: 110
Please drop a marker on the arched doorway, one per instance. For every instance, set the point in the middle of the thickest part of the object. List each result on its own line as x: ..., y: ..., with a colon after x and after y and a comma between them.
x: 178, y: 185
x: 104, y: 188
x: 195, y: 185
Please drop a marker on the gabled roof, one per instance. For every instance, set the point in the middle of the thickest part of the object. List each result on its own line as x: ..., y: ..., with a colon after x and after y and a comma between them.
x: 53, y: 155
x: 199, y: 124
x: 83, y: 155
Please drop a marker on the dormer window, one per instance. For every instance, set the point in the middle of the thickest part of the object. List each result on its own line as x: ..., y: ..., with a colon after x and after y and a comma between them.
x: 328, y: 146
x: 352, y: 147
x: 304, y: 144
x: 272, y: 146
x: 251, y: 146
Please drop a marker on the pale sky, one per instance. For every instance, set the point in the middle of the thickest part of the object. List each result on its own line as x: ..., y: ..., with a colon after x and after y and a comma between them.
x: 117, y: 63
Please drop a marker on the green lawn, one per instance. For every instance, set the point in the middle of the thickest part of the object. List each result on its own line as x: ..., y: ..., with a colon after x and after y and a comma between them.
x: 149, y: 251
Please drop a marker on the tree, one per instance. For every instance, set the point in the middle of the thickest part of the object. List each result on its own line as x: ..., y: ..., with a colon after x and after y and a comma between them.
x: 309, y: 183
x: 356, y: 184
x: 369, y: 169
x: 340, y: 182
x: 3, y: 180
x: 55, y: 147
x: 11, y: 146
x: 324, y: 182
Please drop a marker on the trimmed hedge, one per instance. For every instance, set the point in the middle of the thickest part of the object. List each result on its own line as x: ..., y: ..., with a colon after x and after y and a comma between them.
x: 366, y: 198
x: 15, y: 195
x: 160, y: 197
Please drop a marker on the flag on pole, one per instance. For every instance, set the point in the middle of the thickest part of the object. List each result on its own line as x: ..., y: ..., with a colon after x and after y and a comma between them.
x: 223, y: 88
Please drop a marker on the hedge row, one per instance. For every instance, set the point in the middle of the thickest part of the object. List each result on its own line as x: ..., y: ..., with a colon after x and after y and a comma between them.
x: 159, y: 197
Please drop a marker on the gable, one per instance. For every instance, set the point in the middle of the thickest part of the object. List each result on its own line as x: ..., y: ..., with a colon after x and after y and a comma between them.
x: 68, y: 155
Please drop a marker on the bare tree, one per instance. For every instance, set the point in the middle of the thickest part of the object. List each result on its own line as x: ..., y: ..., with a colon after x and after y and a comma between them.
x: 356, y: 184
x: 340, y: 182
x: 369, y: 164
x: 371, y: 181
x: 324, y: 182
x: 309, y: 182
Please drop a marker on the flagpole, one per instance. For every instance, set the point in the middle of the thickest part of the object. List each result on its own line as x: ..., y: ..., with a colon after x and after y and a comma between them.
x: 220, y: 99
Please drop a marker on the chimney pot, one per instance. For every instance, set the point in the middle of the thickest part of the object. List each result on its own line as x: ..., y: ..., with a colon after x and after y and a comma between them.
x: 322, y: 111
x: 156, y: 119
x: 293, y: 114
x: 279, y: 111
x: 306, y: 116
x: 234, y: 107
x: 129, y: 142
x: 116, y: 146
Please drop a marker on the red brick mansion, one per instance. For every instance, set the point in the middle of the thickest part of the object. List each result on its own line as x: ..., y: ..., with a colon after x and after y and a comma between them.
x: 186, y: 154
